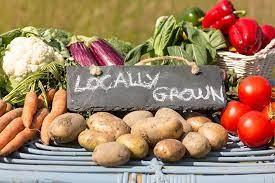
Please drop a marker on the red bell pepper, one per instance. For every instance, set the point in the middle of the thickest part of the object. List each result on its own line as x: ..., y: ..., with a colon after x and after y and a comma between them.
x: 220, y: 16
x: 268, y: 34
x: 246, y: 36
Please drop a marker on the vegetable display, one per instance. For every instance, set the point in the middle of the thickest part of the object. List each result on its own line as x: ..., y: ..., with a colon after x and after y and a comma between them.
x: 33, y: 89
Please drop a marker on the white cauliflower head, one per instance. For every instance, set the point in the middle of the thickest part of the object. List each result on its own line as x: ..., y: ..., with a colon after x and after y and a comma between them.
x: 26, y: 55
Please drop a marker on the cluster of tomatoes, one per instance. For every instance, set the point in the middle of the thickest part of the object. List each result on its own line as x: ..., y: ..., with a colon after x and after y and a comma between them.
x: 253, y: 117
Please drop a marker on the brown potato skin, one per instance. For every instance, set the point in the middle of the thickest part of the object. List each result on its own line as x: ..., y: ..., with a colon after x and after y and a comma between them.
x: 111, y: 154
x: 108, y: 123
x: 197, y: 145
x: 66, y: 127
x: 216, y: 135
x: 156, y: 129
x: 89, y: 139
x: 169, y: 150
x: 197, y: 121
x: 167, y: 112
x: 137, y: 145
x: 131, y: 118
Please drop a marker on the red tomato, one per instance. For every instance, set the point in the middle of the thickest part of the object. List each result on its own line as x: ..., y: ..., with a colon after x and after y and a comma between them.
x: 269, y: 112
x: 255, y: 91
x: 254, y: 129
x: 231, y: 115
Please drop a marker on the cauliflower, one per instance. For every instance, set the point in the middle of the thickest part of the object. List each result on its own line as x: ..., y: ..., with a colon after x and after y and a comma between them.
x: 26, y: 55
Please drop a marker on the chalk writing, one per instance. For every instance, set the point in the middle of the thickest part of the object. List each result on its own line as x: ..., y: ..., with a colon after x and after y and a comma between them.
x: 160, y: 94
x: 122, y: 80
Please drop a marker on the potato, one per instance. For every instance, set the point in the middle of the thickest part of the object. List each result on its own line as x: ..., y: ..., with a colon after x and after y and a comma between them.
x: 197, y: 145
x: 89, y: 139
x: 156, y: 129
x: 66, y: 127
x: 167, y: 112
x: 136, y: 144
x: 169, y: 150
x: 216, y: 135
x: 108, y: 123
x: 131, y: 118
x: 111, y: 154
x: 197, y: 121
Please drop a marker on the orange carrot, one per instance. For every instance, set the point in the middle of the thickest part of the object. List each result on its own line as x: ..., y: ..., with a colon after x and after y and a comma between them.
x: 26, y: 135
x: 11, y: 131
x: 49, y: 94
x: 38, y: 118
x: 20, y: 139
x: 29, y: 109
x: 59, y: 106
x: 9, y: 107
x: 3, y: 106
x: 8, y: 117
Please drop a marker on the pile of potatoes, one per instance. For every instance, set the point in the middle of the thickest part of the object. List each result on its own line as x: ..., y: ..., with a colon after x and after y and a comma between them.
x: 114, y: 141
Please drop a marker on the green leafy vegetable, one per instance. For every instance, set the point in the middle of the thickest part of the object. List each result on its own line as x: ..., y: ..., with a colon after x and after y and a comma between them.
x: 198, y: 53
x: 231, y: 84
x: 180, y: 52
x: 164, y: 35
x: 51, y: 75
x: 122, y: 46
x: 135, y: 54
x: 58, y: 39
x: 182, y: 39
x: 216, y: 39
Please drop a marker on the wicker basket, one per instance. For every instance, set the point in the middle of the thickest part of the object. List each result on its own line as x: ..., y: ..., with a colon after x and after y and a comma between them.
x: 261, y: 63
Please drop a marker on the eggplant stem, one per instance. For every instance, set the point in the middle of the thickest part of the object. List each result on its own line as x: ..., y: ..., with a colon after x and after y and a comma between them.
x: 194, y: 68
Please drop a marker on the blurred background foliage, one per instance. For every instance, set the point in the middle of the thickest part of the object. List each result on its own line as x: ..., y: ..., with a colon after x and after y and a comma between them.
x: 131, y: 20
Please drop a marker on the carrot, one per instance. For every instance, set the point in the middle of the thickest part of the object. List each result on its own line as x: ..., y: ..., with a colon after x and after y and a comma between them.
x: 26, y: 135
x: 38, y: 118
x: 49, y: 94
x: 3, y: 106
x: 8, y: 117
x: 9, y: 107
x: 29, y: 109
x: 11, y: 131
x: 20, y: 139
x: 59, y: 106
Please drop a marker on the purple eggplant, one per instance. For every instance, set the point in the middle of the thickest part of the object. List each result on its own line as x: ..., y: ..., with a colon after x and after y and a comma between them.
x: 82, y: 54
x: 104, y: 53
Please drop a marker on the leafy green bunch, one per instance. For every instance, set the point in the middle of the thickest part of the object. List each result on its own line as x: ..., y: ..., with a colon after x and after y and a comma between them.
x: 172, y: 38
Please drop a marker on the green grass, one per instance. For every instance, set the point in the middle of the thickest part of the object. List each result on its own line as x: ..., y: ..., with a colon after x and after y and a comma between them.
x: 131, y: 20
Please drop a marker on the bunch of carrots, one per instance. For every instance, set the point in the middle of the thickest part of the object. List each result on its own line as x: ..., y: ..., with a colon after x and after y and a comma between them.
x: 18, y: 126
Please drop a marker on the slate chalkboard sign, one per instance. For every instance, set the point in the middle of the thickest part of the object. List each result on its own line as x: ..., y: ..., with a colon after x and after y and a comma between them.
x: 122, y: 88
